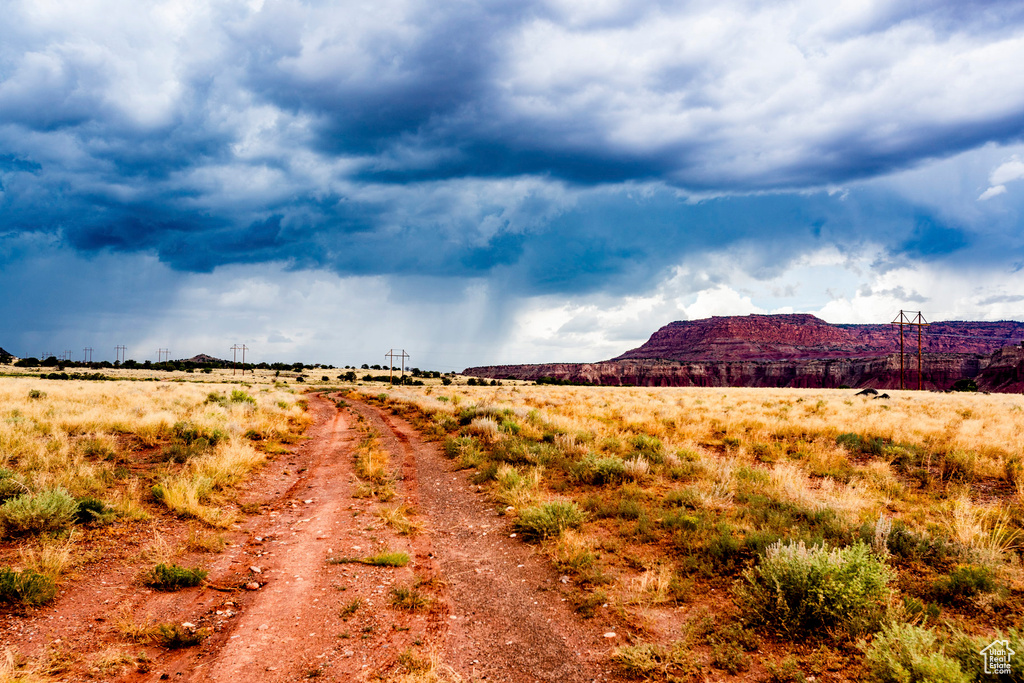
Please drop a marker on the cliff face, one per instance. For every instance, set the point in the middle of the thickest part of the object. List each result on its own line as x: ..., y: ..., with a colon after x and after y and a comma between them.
x: 939, y: 372
x: 1004, y: 372
x: 801, y: 336
x: 800, y: 351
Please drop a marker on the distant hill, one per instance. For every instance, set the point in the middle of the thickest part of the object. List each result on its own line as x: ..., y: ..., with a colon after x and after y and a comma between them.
x: 798, y: 350
x: 803, y: 336
x: 4, y: 354
x: 203, y: 358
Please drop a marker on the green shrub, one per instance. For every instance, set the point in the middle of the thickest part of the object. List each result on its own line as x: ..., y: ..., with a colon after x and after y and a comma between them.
x: 765, y: 452
x: 687, y: 498
x: 786, y: 670
x: 94, y: 510
x: 97, y: 449
x: 389, y: 558
x: 730, y: 657
x: 965, y: 384
x: 409, y: 598
x: 239, y: 396
x: 33, y: 513
x: 964, y: 583
x: 172, y: 577
x: 647, y: 446
x: 804, y: 590
x: 177, y: 636
x: 903, y: 653
x: 190, y: 433
x: 681, y: 520
x: 855, y: 443
x: 486, y: 472
x: 549, y: 519
x: 26, y: 587
x: 599, y: 470
x: 650, y: 661
x: 907, y: 544
x: 180, y: 452
x: 918, y: 612
x: 959, y: 465
x: 455, y: 446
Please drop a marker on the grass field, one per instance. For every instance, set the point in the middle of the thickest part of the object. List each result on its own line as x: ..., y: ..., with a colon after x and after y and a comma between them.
x: 80, y: 456
x: 769, y: 533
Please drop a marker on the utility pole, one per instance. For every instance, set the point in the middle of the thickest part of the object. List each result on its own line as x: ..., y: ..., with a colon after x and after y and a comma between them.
x: 904, y: 320
x: 162, y: 355
x: 87, y: 354
x: 119, y: 353
x: 391, y: 355
x: 234, y: 359
x: 921, y: 324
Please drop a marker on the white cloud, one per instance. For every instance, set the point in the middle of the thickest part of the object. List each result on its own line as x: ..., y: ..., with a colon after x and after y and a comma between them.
x: 839, y: 288
x: 1009, y: 171
x: 757, y: 92
x: 991, y: 192
x: 1006, y: 172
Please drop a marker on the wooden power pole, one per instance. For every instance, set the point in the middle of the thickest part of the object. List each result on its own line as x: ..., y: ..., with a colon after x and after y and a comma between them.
x: 391, y: 355
x: 904, y: 320
x: 234, y: 359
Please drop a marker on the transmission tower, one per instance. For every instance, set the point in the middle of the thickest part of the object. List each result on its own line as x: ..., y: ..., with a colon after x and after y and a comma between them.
x: 904, y: 320
x: 119, y: 353
x: 234, y: 359
x: 391, y: 355
x: 87, y: 354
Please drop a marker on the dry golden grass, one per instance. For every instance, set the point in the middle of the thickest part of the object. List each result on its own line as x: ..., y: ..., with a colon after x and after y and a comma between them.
x: 15, y: 669
x: 401, y: 519
x: 791, y: 433
x: 81, y: 436
x: 50, y: 556
x: 684, y: 488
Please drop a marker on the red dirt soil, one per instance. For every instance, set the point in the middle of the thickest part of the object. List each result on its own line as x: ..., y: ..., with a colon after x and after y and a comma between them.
x: 498, y: 611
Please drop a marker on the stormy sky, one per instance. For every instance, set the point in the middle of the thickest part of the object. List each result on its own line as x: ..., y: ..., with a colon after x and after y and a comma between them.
x: 498, y: 181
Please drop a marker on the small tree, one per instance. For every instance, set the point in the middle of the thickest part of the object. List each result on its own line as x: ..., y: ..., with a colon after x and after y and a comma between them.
x: 965, y: 384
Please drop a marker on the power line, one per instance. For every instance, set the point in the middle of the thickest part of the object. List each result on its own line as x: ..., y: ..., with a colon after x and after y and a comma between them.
x: 391, y: 364
x: 973, y: 336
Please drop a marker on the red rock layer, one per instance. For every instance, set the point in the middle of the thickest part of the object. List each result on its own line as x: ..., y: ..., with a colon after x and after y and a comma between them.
x: 803, y: 336
x: 800, y: 351
x: 940, y: 371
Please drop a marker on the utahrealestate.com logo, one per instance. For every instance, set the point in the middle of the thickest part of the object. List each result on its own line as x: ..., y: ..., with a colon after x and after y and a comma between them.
x: 997, y: 657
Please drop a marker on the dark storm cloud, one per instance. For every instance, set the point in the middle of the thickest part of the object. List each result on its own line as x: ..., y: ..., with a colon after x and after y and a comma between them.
x: 545, y: 141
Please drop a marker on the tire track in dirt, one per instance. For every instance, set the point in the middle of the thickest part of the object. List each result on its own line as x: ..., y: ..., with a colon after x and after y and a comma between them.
x: 509, y: 621
x: 498, y: 613
x: 294, y: 628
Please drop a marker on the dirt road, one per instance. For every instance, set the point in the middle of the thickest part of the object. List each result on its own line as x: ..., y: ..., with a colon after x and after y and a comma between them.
x: 494, y: 610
